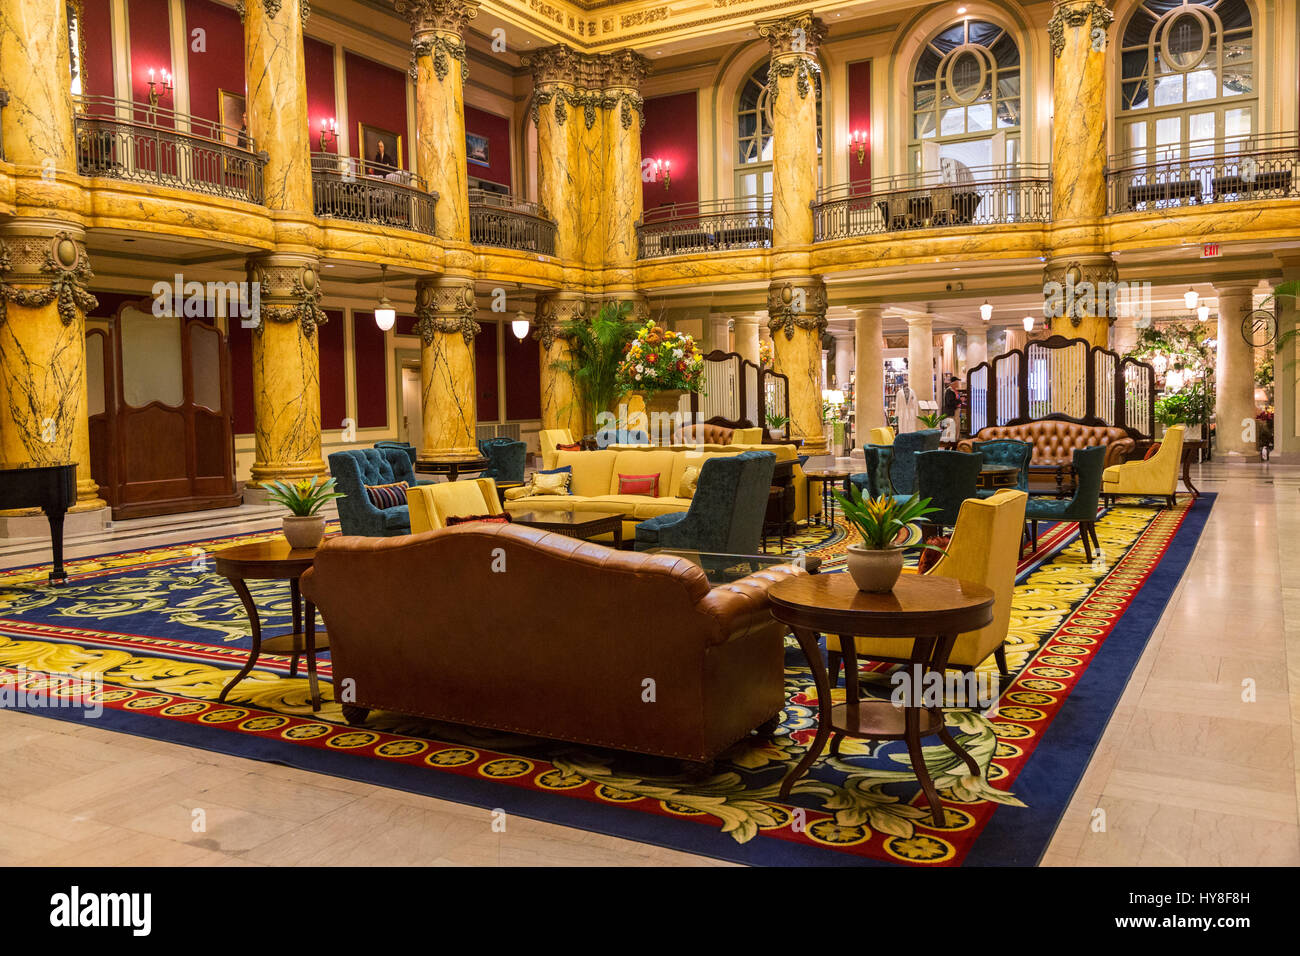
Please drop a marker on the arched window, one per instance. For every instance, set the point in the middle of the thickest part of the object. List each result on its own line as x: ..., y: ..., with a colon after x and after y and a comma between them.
x: 966, y: 99
x: 754, y: 138
x: 1187, y: 79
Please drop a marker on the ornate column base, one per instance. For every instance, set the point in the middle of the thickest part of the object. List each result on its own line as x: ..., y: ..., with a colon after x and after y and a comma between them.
x: 445, y: 307
x: 286, y: 369
x: 796, y: 310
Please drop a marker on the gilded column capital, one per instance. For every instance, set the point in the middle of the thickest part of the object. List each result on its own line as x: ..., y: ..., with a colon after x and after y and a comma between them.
x: 1079, y: 288
x: 799, y: 34
x: 272, y: 8
x: 590, y: 82
x: 1077, y: 13
x: 288, y: 288
x: 554, y: 310
x: 797, y: 304
x: 445, y: 305
x: 437, y: 31
x: 42, y: 267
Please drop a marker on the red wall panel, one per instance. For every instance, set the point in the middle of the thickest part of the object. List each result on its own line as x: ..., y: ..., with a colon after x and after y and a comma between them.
x: 370, y: 361
x: 220, y: 66
x: 319, y: 67
x: 859, y: 118
x: 376, y: 97
x: 150, y: 37
x: 523, y: 378
x: 485, y: 372
x: 97, y: 32
x: 333, y: 371
x: 496, y: 129
x: 405, y: 325
x: 671, y: 132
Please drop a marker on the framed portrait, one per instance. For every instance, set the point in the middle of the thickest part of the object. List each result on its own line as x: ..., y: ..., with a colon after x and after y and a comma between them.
x: 230, y: 114
x: 476, y: 149
x: 381, y: 150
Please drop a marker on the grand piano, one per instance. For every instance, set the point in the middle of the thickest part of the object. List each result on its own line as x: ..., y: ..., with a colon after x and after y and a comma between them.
x: 53, y: 489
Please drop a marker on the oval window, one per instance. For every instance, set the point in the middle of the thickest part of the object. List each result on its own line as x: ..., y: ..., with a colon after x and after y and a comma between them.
x: 1186, y: 39
x: 966, y: 76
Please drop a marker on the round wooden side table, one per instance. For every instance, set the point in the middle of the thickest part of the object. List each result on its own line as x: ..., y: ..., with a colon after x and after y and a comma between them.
x: 275, y: 561
x: 930, y: 611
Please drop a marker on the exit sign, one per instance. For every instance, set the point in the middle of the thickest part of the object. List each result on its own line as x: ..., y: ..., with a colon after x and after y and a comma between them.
x: 1209, y: 250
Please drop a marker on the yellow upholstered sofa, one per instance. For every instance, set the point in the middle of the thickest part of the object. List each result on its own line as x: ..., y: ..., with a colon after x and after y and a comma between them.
x: 1156, y: 476
x: 594, y: 485
x: 884, y: 435
x: 431, y: 505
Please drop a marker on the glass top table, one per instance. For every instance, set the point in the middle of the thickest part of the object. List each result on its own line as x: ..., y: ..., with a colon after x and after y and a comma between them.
x: 726, y: 568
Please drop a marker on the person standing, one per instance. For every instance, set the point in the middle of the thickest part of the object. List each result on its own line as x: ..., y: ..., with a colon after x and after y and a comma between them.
x: 951, y: 403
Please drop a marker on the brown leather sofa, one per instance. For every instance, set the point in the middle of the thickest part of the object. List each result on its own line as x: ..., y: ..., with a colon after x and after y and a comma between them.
x: 552, y: 637
x: 1055, y: 440
x: 708, y: 433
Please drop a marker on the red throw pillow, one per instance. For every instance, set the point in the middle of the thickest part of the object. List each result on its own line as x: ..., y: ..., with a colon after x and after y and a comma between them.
x: 576, y: 446
x: 929, y: 557
x: 639, y: 485
x: 1151, y: 451
x: 503, y: 518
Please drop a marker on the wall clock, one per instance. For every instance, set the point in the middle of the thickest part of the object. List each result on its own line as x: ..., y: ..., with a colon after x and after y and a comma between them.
x: 1259, y: 328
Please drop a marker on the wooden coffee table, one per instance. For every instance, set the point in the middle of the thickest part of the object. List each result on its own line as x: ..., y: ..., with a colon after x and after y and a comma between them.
x: 451, y: 467
x: 573, y: 524
x: 994, y: 476
x: 276, y: 561
x: 927, y: 610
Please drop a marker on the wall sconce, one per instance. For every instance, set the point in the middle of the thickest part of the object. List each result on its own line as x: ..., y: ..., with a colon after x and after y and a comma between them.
x: 986, y: 311
x: 385, y: 314
x: 1029, y: 323
x: 329, y: 133
x: 520, y: 325
x: 1203, y: 312
x: 1190, y: 298
x: 664, y: 168
x: 158, y: 88
x: 858, y: 142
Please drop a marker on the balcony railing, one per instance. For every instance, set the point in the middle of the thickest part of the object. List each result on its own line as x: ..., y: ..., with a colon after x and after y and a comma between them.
x: 1203, y: 172
x: 344, y: 187
x: 679, y: 228
x: 970, y: 196
x: 119, y: 139
x: 498, y: 219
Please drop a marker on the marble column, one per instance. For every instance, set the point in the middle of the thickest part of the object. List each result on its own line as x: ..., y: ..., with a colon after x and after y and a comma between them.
x: 718, y: 334
x: 1124, y: 335
x: 621, y: 117
x: 286, y: 369
x: 1286, y: 365
x: 792, y: 77
x: 747, y: 336
x: 1078, y: 302
x: 843, y: 357
x: 796, y: 311
x: 445, y: 307
x: 1234, y: 373
x: 559, y: 191
x: 869, y: 384
x: 37, y: 123
x: 44, y: 420
x: 920, y: 356
x: 976, y: 351
x: 561, y: 407
x: 274, y: 71
x: 439, y: 68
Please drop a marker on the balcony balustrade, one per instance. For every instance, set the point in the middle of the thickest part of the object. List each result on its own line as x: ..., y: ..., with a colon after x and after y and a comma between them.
x: 680, y: 228
x: 1204, y: 172
x: 499, y: 219
x: 951, y: 196
x: 119, y: 139
x: 344, y: 187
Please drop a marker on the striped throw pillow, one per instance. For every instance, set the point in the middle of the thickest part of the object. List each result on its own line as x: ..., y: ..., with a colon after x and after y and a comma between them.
x: 387, y: 496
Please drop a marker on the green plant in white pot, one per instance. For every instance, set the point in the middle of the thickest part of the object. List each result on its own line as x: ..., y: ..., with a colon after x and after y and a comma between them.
x: 876, y: 563
x: 304, y: 526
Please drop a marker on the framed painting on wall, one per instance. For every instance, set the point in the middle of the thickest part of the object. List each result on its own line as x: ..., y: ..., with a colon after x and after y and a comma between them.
x: 381, y: 150
x: 476, y: 149
x: 233, y: 119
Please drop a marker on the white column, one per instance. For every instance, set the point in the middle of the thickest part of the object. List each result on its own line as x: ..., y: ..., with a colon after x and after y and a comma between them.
x: 977, y: 350
x: 920, y: 356
x: 843, y: 357
x: 1124, y: 335
x: 869, y: 389
x: 719, y: 336
x: 1234, y: 375
x: 747, y: 337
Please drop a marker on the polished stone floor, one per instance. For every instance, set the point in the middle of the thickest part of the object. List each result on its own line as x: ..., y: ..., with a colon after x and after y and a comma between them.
x: 1188, y: 771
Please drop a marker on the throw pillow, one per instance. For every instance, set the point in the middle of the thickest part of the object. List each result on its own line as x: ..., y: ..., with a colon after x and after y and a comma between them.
x: 387, y: 496
x: 523, y: 491
x: 690, y: 477
x: 503, y: 518
x: 551, y: 483
x: 1151, y: 451
x: 929, y: 557
x: 639, y: 485
x: 576, y: 446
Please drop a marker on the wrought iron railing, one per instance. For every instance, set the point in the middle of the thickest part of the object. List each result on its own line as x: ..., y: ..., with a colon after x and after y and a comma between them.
x: 980, y: 196
x: 1198, y: 173
x: 680, y: 228
x: 499, y: 219
x: 119, y: 139
x: 344, y: 187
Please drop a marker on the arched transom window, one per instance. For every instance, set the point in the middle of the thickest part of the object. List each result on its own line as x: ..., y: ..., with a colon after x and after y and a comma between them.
x: 754, y: 138
x: 966, y: 99
x: 1187, y: 85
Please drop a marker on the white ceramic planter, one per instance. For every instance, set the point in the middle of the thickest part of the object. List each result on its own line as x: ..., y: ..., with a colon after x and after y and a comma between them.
x: 875, y: 570
x: 304, y: 531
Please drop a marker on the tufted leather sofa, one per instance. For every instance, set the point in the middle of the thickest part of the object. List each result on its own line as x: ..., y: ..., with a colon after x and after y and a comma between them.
x: 1054, y: 441
x: 706, y: 434
x: 549, y: 647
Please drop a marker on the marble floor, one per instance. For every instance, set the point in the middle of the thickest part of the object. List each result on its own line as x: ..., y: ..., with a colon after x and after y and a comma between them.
x: 1199, y: 765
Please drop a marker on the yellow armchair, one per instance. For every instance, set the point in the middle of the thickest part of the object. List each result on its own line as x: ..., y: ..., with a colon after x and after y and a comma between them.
x: 1157, y: 475
x: 884, y: 435
x: 985, y: 549
x: 549, y: 438
x: 432, y: 505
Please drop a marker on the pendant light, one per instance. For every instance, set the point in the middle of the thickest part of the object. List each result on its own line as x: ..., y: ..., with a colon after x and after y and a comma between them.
x: 1029, y: 323
x: 520, y: 325
x: 1203, y: 312
x: 986, y: 311
x: 385, y: 314
x: 1190, y: 298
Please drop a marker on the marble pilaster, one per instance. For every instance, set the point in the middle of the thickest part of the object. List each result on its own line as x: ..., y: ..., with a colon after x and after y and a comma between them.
x: 623, y: 117
x: 1234, y: 372
x: 796, y: 311
x: 445, y: 307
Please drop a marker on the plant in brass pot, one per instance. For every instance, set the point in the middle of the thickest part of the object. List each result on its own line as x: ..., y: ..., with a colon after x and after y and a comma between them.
x: 304, y: 526
x: 876, y: 563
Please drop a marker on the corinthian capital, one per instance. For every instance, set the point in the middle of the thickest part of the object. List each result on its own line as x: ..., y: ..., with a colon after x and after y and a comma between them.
x: 586, y: 71
x: 799, y: 33
x: 437, y: 16
x: 1073, y: 14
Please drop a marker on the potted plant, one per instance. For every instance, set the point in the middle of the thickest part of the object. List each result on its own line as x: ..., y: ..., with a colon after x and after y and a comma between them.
x: 930, y: 419
x: 876, y: 563
x: 596, y: 350
x: 1189, y: 406
x: 662, y: 365
x: 304, y: 526
x: 776, y: 423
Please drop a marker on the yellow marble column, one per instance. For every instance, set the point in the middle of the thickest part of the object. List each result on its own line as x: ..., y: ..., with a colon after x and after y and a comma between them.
x: 1234, y: 372
x: 792, y: 76
x: 560, y: 405
x: 43, y: 302
x: 622, y: 115
x: 445, y: 307
x: 869, y: 375
x: 286, y: 369
x: 561, y: 176
x: 796, y: 310
x: 277, y: 100
x: 1079, y: 298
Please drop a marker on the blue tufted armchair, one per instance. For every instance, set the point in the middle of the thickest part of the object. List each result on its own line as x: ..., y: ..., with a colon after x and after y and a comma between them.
x: 875, y: 481
x: 902, y: 470
x: 408, y: 449
x: 1006, y: 451
x: 356, y: 468
x: 506, y: 458
x: 947, y: 478
x: 726, y: 514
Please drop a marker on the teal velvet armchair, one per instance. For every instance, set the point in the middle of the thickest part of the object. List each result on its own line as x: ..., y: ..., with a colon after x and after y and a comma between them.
x: 726, y: 513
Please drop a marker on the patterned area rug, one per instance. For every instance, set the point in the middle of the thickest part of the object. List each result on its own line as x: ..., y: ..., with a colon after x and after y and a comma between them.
x: 164, y: 634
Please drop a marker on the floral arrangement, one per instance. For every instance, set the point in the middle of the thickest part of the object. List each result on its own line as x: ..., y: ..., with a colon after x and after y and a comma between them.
x: 765, y: 353
x: 660, y: 360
